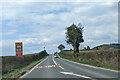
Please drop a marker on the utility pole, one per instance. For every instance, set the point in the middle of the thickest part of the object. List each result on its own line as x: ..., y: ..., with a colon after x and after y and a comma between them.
x: 44, y: 46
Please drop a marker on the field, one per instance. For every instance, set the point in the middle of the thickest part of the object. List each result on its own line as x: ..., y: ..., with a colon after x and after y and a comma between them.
x: 14, y: 66
x: 99, y: 58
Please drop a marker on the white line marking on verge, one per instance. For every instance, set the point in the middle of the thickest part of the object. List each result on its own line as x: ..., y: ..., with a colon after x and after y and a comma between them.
x: 33, y: 68
x: 70, y: 73
x: 56, y: 63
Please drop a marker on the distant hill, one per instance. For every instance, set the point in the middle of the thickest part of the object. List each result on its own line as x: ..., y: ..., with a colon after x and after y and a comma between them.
x: 107, y: 46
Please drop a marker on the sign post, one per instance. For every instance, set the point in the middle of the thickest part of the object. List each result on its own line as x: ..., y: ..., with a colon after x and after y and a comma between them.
x: 18, y: 48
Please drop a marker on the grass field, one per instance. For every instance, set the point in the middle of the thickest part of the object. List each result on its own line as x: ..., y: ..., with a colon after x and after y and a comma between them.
x: 15, y: 73
x: 95, y: 58
x: 14, y: 66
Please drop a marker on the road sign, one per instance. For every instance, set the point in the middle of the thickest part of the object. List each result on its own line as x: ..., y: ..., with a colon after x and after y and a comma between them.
x: 18, y: 48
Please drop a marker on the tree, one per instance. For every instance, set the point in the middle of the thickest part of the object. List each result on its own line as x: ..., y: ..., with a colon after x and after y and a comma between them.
x: 88, y: 48
x: 85, y: 48
x: 61, y: 47
x: 74, y: 36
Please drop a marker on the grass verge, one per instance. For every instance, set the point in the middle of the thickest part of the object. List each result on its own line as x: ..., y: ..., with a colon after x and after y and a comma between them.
x: 93, y: 63
x: 16, y: 73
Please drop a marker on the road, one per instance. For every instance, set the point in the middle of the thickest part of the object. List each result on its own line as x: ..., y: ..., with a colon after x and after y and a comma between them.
x: 60, y: 68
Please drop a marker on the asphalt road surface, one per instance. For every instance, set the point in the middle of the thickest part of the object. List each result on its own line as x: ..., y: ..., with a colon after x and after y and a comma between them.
x: 60, y: 68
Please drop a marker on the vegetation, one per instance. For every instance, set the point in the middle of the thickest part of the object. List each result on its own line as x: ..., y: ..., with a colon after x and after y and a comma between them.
x: 74, y: 36
x: 11, y: 63
x: 61, y: 47
x: 86, y: 48
x: 106, y: 55
x: 16, y: 73
x: 99, y: 58
x: 107, y: 46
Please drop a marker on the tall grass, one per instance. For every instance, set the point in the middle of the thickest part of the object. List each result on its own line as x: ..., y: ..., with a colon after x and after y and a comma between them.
x: 100, y: 58
x: 10, y: 63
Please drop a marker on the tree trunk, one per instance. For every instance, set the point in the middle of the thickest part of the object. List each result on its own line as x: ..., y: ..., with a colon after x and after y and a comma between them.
x: 76, y: 49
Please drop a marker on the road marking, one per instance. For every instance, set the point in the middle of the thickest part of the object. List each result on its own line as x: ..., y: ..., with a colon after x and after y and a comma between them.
x: 36, y: 65
x: 61, y: 67
x: 56, y: 63
x: 70, y: 73
x: 33, y: 68
x: 49, y: 66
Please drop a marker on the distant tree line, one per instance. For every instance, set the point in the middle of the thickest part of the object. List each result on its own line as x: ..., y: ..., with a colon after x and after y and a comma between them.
x: 86, y: 48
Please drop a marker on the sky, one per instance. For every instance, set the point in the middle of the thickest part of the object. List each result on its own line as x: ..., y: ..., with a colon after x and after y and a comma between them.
x: 36, y: 23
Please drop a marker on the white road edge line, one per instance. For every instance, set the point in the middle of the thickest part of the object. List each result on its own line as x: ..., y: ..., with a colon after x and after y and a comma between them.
x: 90, y: 65
x: 33, y: 68
x: 56, y: 63
x: 70, y: 73
x: 54, y: 60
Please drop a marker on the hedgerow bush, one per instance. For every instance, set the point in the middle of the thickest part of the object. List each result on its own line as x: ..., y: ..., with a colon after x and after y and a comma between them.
x: 10, y: 63
x: 108, y: 57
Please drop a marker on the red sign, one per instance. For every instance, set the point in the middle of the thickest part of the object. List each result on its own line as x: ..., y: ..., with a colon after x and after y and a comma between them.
x: 18, y: 48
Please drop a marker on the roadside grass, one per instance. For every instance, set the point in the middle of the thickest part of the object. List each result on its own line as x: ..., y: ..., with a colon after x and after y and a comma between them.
x: 16, y: 73
x: 93, y: 63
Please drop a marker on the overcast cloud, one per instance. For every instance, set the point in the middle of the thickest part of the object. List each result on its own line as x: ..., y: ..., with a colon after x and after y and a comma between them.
x: 34, y: 23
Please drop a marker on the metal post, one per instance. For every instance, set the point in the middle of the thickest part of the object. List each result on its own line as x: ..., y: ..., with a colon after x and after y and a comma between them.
x: 44, y: 46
